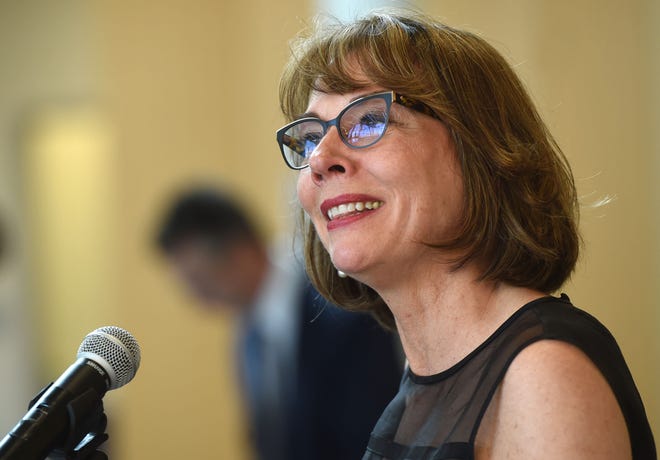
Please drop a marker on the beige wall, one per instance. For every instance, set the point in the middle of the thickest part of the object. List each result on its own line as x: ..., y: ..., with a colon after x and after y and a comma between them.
x: 45, y: 82
x: 192, y: 89
x: 187, y: 90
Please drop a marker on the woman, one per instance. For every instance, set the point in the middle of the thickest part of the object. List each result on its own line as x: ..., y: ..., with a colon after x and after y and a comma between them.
x: 436, y: 198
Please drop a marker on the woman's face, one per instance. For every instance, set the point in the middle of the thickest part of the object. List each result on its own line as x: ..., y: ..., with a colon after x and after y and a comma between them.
x: 387, y: 200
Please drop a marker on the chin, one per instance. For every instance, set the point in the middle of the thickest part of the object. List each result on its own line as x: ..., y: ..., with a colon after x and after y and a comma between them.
x: 349, y: 265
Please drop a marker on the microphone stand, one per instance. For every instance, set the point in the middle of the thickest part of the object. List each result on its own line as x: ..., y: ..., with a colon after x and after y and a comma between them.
x: 87, y: 423
x: 86, y: 450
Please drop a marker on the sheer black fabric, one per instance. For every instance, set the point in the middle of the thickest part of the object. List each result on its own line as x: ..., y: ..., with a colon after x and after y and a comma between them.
x: 437, y: 417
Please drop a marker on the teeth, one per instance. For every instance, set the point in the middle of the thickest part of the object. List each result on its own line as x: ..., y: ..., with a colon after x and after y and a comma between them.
x: 347, y: 208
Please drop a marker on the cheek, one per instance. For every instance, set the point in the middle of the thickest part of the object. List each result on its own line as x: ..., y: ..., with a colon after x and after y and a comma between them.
x: 309, y: 200
x: 305, y: 192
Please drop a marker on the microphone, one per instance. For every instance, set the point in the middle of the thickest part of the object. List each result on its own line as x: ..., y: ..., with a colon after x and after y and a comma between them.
x: 71, y: 407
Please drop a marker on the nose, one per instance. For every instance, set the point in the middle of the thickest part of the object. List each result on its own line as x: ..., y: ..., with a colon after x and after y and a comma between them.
x: 330, y: 157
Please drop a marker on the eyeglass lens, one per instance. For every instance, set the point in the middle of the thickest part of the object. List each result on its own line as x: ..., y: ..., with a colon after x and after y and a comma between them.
x: 360, y: 125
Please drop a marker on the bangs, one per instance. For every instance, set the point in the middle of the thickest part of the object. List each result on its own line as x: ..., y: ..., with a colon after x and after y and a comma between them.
x: 341, y: 59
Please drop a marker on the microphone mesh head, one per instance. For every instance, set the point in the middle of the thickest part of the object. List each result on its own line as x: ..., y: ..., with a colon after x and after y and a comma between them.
x: 116, y: 350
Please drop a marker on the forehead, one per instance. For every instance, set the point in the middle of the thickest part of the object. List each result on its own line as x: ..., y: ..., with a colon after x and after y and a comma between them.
x: 328, y: 104
x: 347, y: 89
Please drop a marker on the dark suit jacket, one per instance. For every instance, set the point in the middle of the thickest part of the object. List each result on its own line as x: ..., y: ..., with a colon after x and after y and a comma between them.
x: 349, y: 369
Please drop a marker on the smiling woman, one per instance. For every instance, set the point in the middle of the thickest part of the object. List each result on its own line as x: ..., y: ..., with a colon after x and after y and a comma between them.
x: 502, y: 144
x: 428, y: 177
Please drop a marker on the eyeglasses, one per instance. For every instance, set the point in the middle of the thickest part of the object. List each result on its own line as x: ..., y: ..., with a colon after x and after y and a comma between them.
x: 360, y: 124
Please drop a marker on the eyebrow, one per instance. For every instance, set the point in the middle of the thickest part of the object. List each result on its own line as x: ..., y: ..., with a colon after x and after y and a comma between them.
x: 308, y: 115
x: 313, y: 114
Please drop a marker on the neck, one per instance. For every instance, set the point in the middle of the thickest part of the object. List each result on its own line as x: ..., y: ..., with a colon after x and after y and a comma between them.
x: 443, y: 315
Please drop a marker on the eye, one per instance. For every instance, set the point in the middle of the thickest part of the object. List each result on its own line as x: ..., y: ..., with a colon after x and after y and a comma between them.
x: 368, y: 128
x: 310, y: 141
x: 374, y: 118
x: 313, y: 137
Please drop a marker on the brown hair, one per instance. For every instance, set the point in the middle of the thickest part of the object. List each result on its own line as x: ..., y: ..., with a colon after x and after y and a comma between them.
x: 520, y: 203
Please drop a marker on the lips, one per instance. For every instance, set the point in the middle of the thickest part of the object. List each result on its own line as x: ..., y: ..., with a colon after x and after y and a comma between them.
x: 345, y: 206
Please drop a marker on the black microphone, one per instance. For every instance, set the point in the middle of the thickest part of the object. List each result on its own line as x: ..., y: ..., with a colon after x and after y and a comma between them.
x: 69, y: 408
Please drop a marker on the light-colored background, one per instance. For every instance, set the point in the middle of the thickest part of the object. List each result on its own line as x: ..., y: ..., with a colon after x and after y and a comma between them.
x: 107, y: 108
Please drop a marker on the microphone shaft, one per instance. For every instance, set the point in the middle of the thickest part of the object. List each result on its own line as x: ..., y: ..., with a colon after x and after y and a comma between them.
x: 50, y: 421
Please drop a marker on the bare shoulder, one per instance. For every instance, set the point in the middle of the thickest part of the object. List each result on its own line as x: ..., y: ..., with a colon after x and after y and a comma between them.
x: 553, y: 403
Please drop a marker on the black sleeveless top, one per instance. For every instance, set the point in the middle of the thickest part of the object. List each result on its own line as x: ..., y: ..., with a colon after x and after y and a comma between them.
x: 437, y: 417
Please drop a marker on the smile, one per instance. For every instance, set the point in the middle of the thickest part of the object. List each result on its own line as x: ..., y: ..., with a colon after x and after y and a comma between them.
x: 347, y: 209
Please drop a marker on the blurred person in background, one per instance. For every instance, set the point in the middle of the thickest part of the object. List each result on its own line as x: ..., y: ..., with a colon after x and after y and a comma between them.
x: 315, y: 378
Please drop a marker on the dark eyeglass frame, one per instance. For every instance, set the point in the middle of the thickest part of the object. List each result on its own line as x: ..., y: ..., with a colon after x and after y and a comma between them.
x: 387, y: 96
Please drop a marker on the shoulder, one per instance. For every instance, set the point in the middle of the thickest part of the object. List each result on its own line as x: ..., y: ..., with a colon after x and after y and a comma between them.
x: 553, y: 403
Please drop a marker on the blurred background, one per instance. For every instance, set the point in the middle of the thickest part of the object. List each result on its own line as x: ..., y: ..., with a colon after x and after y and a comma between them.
x: 108, y: 108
